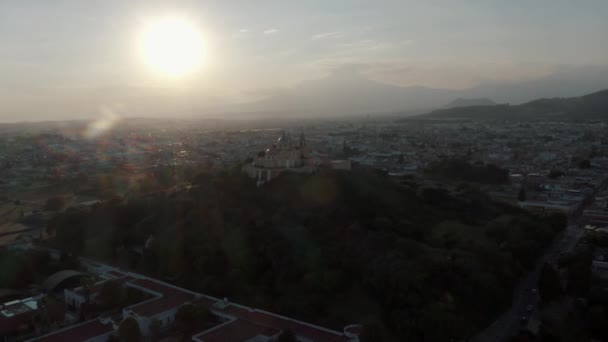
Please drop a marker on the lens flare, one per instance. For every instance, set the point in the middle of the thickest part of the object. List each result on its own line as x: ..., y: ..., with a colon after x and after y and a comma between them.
x: 101, y: 125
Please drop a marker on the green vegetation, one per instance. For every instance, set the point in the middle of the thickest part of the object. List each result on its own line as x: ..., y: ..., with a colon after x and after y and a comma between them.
x: 52, y: 312
x: 286, y: 336
x: 521, y: 195
x: 331, y: 248
x: 584, y: 164
x: 549, y: 284
x: 20, y: 269
x: 585, y: 320
x: 128, y: 330
x: 191, y: 318
x: 112, y: 294
x: 372, y: 332
x: 56, y: 203
x: 462, y: 170
x: 554, y: 174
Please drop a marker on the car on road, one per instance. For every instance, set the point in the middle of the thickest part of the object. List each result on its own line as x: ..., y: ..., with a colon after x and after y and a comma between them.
x: 530, y: 307
x: 534, y: 291
x: 523, y: 319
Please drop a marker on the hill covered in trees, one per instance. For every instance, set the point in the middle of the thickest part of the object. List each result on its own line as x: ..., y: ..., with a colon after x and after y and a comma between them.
x: 331, y: 248
x: 592, y: 106
x: 455, y: 169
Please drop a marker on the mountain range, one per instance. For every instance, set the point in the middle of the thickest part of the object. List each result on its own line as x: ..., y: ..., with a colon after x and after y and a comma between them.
x: 347, y: 92
x: 591, y: 106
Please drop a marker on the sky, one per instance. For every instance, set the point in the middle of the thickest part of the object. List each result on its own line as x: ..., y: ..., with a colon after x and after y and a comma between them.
x: 66, y: 59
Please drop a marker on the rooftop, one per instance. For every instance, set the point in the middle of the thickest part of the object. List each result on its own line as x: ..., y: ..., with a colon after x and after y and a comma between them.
x: 15, y: 315
x: 268, y: 319
x: 116, y: 274
x: 171, y: 297
x: 78, y: 333
x: 18, y: 307
x: 236, y: 330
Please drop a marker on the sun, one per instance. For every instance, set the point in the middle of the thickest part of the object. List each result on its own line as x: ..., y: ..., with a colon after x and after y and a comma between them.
x: 171, y: 46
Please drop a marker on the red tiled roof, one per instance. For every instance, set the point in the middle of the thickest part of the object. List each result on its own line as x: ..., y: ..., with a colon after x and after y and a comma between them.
x: 283, y: 323
x: 78, y: 333
x: 237, y: 330
x: 248, y: 322
x: 9, y: 325
x: 206, y: 301
x: 116, y: 274
x: 171, y: 297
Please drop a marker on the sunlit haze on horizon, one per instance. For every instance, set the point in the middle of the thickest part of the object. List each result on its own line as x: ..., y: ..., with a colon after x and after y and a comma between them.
x: 69, y: 59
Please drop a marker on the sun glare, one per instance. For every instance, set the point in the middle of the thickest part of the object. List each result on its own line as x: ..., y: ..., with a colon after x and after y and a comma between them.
x: 172, y: 46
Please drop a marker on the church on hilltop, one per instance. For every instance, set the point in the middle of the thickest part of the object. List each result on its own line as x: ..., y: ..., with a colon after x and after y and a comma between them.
x: 286, y: 154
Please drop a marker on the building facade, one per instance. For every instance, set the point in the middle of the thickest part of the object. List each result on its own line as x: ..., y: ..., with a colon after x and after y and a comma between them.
x: 286, y: 154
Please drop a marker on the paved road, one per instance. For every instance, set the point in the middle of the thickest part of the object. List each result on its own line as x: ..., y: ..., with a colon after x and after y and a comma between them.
x: 509, y: 323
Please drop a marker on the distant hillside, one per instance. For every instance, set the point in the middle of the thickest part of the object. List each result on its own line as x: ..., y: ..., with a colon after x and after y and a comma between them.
x: 592, y: 106
x: 461, y: 102
x: 346, y: 91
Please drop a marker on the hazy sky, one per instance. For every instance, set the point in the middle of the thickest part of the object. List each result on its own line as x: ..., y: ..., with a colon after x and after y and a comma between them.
x: 63, y: 59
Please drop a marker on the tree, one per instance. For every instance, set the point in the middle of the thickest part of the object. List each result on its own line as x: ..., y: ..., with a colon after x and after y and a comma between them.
x: 111, y: 294
x: 191, y: 317
x: 554, y: 174
x: 52, y: 311
x: 597, y: 319
x: 156, y: 328
x: 549, y: 285
x: 548, y: 334
x: 287, y: 336
x: 70, y: 230
x: 284, y: 238
x: 584, y: 164
x: 372, y: 331
x: 460, y: 169
x: 68, y: 261
x: 56, y: 203
x: 381, y: 223
x: 579, y: 273
x: 521, y: 196
x: 128, y: 330
x: 524, y: 336
x: 558, y: 221
x: 87, y: 284
x: 41, y: 259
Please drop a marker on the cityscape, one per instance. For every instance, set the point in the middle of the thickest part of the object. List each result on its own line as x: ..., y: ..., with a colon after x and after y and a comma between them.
x: 545, y: 167
x: 303, y: 171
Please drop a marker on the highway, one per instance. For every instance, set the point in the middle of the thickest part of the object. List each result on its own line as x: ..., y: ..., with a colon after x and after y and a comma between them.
x: 509, y: 323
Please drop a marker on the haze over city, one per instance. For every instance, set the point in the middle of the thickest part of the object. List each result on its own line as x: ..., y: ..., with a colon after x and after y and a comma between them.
x: 73, y: 59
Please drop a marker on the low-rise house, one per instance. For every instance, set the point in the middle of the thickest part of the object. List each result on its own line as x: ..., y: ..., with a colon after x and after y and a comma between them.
x: 17, y: 318
x: 162, y: 308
